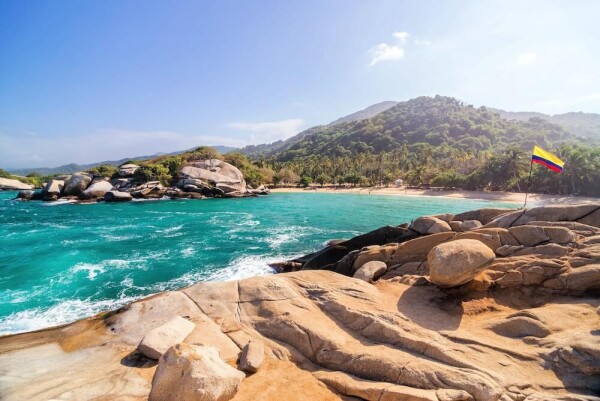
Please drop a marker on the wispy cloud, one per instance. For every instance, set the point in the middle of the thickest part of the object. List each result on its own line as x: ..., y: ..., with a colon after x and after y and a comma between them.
x: 269, y: 131
x: 526, y: 58
x: 386, y: 51
x: 421, y: 42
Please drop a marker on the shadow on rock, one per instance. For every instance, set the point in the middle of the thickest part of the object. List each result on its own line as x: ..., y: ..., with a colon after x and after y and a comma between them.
x: 136, y: 359
x: 431, y: 308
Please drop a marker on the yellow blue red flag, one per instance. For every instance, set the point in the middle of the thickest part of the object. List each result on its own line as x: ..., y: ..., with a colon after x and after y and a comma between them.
x: 547, y: 159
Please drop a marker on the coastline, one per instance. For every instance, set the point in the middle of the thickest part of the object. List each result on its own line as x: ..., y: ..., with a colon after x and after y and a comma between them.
x: 516, y: 197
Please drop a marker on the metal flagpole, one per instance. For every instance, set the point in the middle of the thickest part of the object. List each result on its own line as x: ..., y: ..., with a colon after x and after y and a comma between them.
x: 528, y: 183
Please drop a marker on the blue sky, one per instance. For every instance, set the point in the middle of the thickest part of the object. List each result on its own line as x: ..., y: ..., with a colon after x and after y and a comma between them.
x: 83, y: 81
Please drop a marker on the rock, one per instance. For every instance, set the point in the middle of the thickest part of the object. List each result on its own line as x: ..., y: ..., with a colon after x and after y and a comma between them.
x: 54, y: 187
x: 187, y: 372
x: 458, y: 262
x: 417, y: 249
x: 127, y: 170
x: 216, y: 172
x: 560, y: 235
x: 557, y: 213
x: 483, y: 215
x: 520, y: 326
x: 76, y: 184
x: 252, y: 357
x: 506, y: 250
x: 529, y: 235
x: 8, y: 184
x: 370, y: 271
x: 467, y: 225
x: 117, y: 196
x: 157, y: 341
x: 26, y: 194
x: 544, y: 251
x: 429, y: 225
x: 97, y: 189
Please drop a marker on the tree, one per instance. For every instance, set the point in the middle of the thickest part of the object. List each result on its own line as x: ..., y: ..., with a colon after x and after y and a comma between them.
x: 305, y: 181
x: 322, y: 179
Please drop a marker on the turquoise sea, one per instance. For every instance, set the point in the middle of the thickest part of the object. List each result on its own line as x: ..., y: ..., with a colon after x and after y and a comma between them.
x: 61, y: 262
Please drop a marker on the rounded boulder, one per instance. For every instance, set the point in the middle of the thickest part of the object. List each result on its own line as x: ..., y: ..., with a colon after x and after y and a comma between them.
x: 458, y: 262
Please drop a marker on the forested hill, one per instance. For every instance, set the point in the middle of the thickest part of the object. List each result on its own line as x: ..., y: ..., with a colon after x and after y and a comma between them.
x: 278, y: 146
x: 435, y: 121
x: 581, y: 124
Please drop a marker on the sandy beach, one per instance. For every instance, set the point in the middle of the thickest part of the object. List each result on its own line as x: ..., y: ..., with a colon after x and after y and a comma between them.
x: 532, y: 200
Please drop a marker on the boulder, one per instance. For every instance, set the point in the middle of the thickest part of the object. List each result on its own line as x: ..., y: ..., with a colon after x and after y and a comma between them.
x: 560, y: 235
x: 127, y: 170
x: 76, y: 184
x: 529, y: 235
x: 216, y: 172
x: 506, y: 250
x: 192, y: 372
x: 371, y: 271
x: 430, y: 225
x: 117, y: 196
x: 54, y: 187
x: 97, y: 189
x: 157, y: 341
x: 26, y: 194
x: 8, y: 184
x: 482, y: 215
x: 520, y: 326
x: 252, y: 356
x: 458, y: 262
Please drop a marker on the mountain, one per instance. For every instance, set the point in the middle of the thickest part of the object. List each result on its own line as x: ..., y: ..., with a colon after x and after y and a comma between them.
x: 73, y: 167
x: 281, y: 145
x: 435, y: 121
x: 578, y: 123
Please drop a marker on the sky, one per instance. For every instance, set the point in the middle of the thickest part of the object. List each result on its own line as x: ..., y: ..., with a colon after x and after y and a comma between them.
x: 85, y: 81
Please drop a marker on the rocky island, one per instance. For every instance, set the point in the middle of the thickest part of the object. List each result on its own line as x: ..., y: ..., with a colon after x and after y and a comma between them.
x: 197, y: 179
x: 487, y: 305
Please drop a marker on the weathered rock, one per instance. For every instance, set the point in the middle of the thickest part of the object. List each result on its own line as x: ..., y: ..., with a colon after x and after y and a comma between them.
x: 520, y: 326
x: 560, y: 235
x: 8, y: 184
x: 127, y: 170
x: 54, y: 187
x: 252, y: 356
x: 117, y: 196
x: 187, y: 372
x: 216, y: 172
x: 370, y: 271
x: 506, y: 250
x: 467, y: 225
x: 458, y: 262
x: 417, y: 249
x: 97, y: 189
x: 26, y: 194
x: 430, y: 225
x: 76, y: 184
x: 529, y: 235
x: 157, y: 341
x: 483, y: 215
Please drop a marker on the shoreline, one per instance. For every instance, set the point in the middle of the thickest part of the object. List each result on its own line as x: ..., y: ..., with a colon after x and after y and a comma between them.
x: 515, y: 197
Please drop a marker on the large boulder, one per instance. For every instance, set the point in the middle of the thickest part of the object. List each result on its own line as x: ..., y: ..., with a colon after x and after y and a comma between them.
x: 430, y: 225
x: 458, y: 262
x: 192, y: 372
x: 76, y: 184
x: 127, y: 170
x: 159, y: 340
x: 216, y: 172
x: 8, y: 184
x: 117, y: 196
x: 54, y: 187
x: 97, y: 189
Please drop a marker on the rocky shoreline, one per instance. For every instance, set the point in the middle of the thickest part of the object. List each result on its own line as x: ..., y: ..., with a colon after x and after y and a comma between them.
x: 210, y: 178
x: 493, y: 304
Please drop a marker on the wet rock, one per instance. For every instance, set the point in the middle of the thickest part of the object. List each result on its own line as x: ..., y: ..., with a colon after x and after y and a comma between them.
x: 26, y: 194
x: 458, y: 262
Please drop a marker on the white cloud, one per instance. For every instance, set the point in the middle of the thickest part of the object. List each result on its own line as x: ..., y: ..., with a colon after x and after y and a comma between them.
x: 387, y: 51
x: 526, y: 58
x: 32, y: 150
x: 269, y: 131
x: 401, y: 36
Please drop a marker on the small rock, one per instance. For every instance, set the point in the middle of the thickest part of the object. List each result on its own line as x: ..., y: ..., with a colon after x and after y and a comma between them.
x: 458, y: 262
x: 252, y: 357
x: 371, y: 271
x: 192, y: 372
x: 159, y: 340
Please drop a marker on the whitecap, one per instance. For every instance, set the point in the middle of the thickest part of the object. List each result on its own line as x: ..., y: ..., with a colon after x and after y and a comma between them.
x: 187, y: 252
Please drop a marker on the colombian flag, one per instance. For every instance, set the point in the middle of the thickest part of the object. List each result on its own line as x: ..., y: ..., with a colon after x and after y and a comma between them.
x: 547, y: 159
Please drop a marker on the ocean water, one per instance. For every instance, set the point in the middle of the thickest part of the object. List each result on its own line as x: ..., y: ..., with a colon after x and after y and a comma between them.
x: 61, y: 262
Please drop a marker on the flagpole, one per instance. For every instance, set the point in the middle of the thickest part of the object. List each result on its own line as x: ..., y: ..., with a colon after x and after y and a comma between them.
x: 528, y: 183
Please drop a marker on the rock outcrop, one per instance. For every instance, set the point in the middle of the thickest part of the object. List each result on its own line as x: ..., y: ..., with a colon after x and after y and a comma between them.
x: 8, y: 184
x: 97, y: 189
x: 76, y: 184
x: 523, y: 329
x: 127, y: 170
x: 160, y: 339
x: 220, y: 177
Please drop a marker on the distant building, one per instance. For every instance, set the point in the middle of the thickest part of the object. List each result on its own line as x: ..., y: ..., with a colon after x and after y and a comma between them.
x: 398, y: 182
